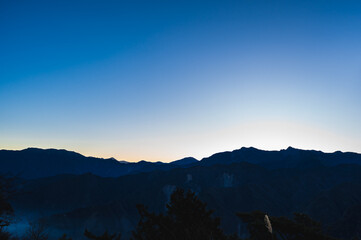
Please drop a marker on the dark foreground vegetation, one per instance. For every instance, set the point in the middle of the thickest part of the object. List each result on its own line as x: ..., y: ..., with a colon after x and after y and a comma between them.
x: 186, y: 218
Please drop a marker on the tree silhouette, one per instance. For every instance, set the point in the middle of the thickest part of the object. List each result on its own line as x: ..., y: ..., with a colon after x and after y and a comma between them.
x: 186, y: 218
x: 105, y: 236
x: 64, y: 237
x: 36, y: 231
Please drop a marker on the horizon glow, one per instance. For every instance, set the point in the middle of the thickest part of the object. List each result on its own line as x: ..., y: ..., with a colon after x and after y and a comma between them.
x: 160, y: 81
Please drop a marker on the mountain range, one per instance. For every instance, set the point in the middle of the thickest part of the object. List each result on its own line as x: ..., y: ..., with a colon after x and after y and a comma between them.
x: 72, y: 192
x: 34, y: 163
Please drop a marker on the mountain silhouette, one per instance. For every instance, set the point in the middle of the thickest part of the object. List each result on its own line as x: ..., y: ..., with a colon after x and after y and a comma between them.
x: 185, y: 161
x: 73, y: 202
x: 34, y: 163
x: 290, y: 157
x: 324, y: 185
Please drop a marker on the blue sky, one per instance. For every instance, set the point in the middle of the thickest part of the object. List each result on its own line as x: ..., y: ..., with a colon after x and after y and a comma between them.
x: 161, y: 80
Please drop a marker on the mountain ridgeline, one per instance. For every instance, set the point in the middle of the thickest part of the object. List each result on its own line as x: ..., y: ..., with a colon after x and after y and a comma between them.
x: 71, y: 192
x: 34, y: 163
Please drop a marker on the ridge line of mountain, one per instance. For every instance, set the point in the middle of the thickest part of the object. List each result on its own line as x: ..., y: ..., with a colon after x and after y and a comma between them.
x: 36, y: 163
x: 289, y: 148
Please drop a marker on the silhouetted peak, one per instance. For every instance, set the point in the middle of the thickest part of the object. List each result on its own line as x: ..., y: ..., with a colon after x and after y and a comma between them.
x: 32, y: 149
x: 185, y: 161
x: 115, y: 160
x: 49, y: 151
x: 250, y: 150
x: 142, y: 162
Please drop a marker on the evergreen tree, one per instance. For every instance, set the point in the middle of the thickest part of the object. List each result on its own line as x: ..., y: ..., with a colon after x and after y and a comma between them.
x: 186, y: 218
x: 105, y: 236
x: 64, y: 237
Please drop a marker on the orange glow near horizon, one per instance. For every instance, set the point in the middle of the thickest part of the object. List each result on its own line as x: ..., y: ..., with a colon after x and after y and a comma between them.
x: 271, y: 135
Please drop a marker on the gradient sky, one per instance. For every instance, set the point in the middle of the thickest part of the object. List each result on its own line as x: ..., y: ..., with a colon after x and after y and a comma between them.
x: 161, y: 80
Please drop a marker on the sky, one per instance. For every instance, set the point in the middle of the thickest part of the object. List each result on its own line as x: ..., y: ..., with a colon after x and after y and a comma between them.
x: 162, y: 80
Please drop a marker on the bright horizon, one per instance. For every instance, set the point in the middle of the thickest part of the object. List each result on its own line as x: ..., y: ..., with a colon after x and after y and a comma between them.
x: 165, y: 80
x: 167, y: 160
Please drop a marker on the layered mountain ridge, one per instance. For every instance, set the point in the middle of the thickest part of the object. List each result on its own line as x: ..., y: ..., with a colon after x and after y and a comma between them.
x: 34, y: 163
x: 324, y: 185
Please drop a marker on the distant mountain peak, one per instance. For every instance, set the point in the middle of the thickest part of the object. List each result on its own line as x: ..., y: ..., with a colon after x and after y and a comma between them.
x: 49, y: 150
x: 249, y: 148
x: 185, y: 161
